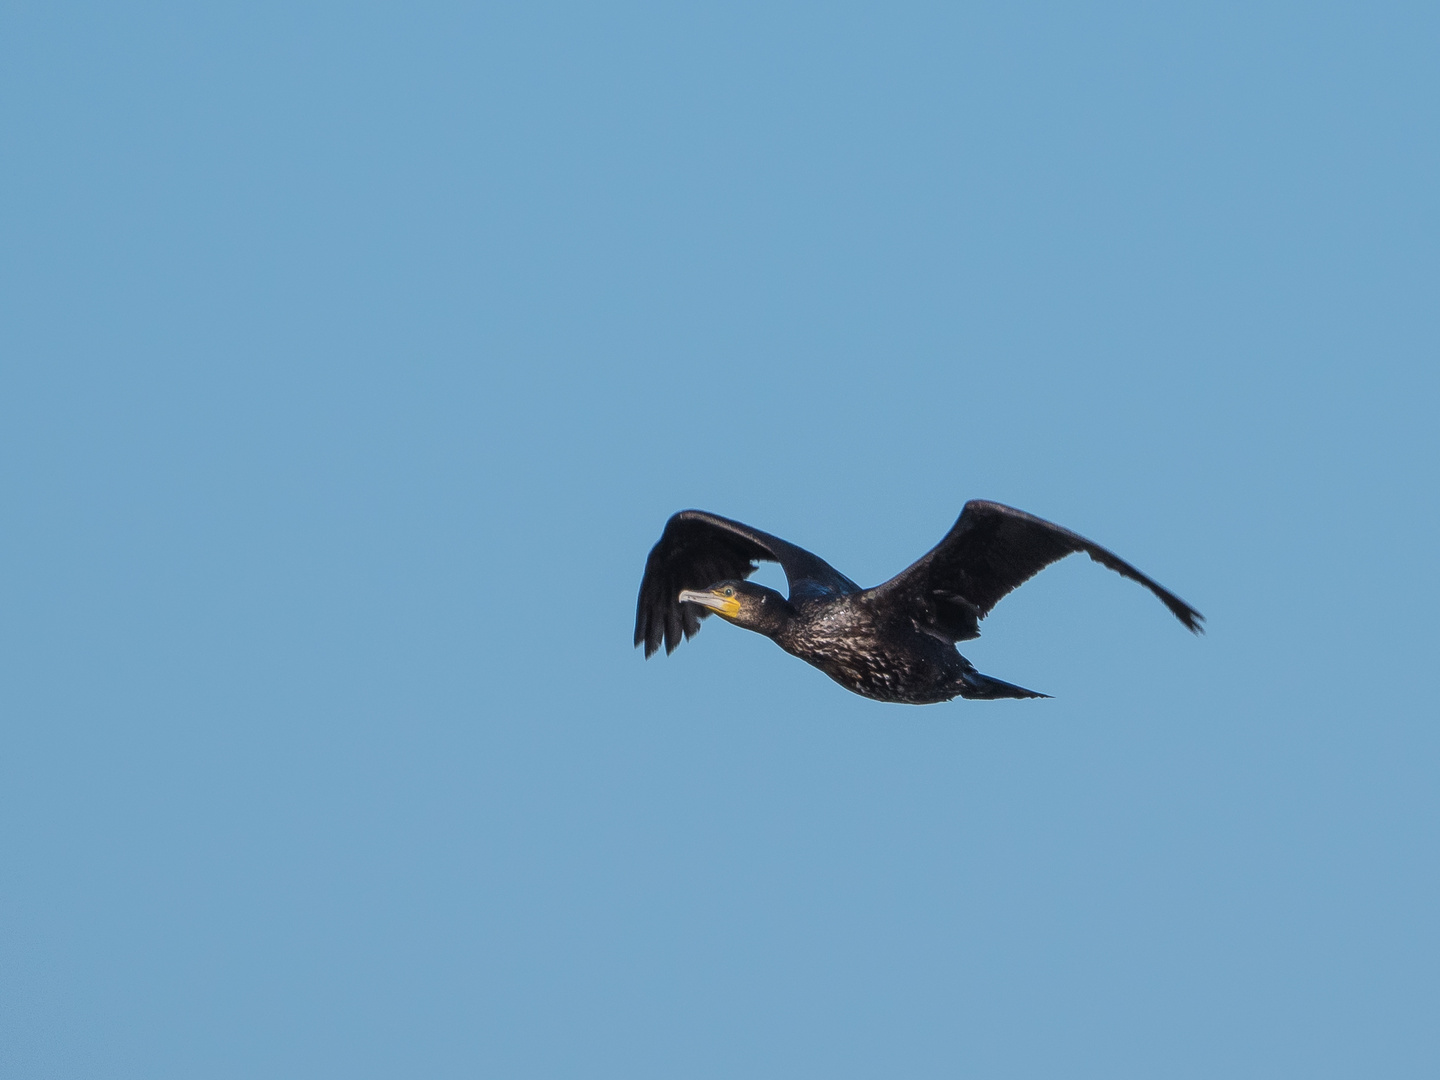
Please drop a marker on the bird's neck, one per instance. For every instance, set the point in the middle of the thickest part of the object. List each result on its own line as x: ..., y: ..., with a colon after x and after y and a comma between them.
x: 774, y: 618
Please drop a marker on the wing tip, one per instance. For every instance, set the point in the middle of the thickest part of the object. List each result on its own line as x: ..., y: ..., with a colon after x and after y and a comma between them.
x: 1191, y: 619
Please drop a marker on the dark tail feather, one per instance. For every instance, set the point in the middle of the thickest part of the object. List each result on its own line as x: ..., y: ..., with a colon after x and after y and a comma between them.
x: 985, y: 688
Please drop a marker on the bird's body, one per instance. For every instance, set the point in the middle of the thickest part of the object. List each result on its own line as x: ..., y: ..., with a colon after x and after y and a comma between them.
x: 853, y: 642
x: 895, y: 642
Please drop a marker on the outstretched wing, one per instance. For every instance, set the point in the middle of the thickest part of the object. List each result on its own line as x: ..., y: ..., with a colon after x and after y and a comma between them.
x: 990, y: 550
x: 695, y: 551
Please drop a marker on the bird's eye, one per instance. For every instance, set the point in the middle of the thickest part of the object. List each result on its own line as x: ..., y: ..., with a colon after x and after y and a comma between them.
x: 729, y: 592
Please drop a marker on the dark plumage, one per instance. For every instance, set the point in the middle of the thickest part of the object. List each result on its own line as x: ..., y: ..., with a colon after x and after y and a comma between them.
x: 895, y: 642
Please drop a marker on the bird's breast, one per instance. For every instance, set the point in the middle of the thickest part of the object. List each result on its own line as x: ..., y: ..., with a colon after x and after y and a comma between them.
x: 844, y: 640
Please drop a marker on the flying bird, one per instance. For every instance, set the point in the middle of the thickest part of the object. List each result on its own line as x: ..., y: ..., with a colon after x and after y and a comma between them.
x: 895, y: 642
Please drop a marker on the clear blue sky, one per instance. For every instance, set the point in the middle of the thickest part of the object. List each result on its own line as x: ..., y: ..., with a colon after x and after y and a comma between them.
x: 353, y: 358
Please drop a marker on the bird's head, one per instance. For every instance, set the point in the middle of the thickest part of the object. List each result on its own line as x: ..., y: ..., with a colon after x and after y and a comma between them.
x: 743, y: 603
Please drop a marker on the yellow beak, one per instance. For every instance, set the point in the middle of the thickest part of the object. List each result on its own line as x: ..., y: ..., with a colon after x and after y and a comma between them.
x: 716, y: 601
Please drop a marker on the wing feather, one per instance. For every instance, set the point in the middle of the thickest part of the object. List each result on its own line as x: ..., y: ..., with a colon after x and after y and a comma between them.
x: 991, y: 550
x: 697, y: 550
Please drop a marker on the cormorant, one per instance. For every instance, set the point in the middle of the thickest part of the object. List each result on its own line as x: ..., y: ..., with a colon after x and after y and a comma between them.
x: 895, y: 642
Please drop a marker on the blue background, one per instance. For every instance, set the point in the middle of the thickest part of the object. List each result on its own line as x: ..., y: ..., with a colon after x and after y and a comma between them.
x: 353, y: 358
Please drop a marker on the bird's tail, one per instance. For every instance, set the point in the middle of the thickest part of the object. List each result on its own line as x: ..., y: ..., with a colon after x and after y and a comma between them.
x: 975, y: 685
